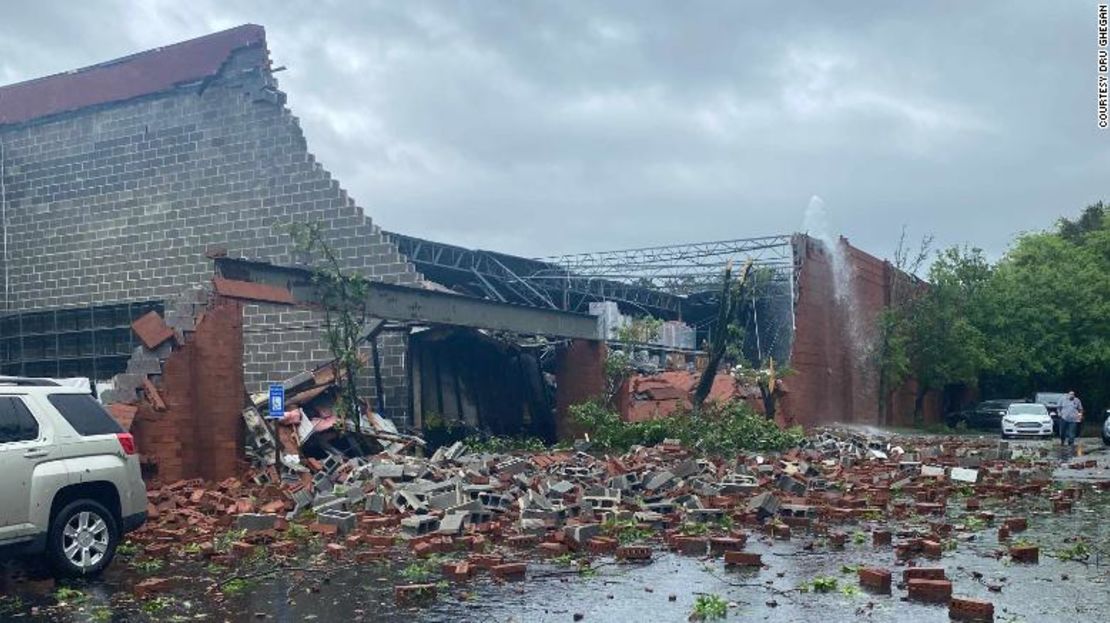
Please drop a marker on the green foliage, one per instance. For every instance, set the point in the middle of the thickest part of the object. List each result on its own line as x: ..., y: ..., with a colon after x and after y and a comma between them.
x: 222, y: 543
x: 694, y: 529
x: 709, y: 608
x: 890, y: 352
x: 343, y: 296
x: 640, y: 330
x: 820, y: 584
x: 65, y: 594
x: 11, y: 605
x: 235, y: 587
x: 715, y: 429
x: 499, y: 444
x: 157, y: 604
x: 1046, y: 311
x: 127, y: 548
x: 422, y: 569
x: 564, y: 560
x: 728, y: 331
x: 849, y: 568
x: 1038, y: 319
x: 618, y: 367
x: 150, y: 565
x: 299, y: 533
x: 859, y: 537
x: 944, y: 344
x: 1077, y: 551
x: 626, y: 530
x: 973, y: 523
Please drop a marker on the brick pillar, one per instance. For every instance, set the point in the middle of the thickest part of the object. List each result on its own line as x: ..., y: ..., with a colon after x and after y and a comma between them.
x: 218, y: 389
x: 199, y: 435
x: 580, y: 373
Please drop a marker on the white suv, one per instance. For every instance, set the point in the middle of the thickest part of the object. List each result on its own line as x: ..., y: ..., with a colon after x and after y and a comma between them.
x: 70, y: 484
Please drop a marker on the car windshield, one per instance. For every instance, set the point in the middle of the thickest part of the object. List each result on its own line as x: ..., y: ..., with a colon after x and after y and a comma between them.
x: 1049, y: 399
x: 1027, y: 409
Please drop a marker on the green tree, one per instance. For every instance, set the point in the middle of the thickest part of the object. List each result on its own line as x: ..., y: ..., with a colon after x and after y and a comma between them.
x: 644, y: 330
x: 727, y: 329
x: 343, y: 296
x: 1046, y: 312
x: 889, y: 351
x: 943, y: 342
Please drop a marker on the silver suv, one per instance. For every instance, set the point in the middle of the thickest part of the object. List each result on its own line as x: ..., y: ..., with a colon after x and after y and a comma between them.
x: 70, y: 484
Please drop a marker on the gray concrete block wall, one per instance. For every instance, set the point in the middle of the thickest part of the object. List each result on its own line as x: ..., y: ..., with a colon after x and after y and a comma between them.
x: 280, y: 342
x: 119, y: 203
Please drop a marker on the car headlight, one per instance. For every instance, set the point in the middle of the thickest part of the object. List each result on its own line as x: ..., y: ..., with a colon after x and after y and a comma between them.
x: 1007, y: 420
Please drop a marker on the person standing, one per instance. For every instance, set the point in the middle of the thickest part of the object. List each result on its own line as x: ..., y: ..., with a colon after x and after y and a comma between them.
x: 1071, y: 414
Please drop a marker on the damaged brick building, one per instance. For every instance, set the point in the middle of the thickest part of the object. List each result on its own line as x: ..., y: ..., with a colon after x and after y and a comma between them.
x: 123, y: 183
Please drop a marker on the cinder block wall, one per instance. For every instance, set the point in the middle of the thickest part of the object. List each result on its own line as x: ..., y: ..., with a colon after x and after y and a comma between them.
x: 120, y: 202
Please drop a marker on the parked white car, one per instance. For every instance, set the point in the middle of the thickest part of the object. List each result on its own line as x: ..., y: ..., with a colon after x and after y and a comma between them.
x: 1026, y: 419
x: 71, y: 485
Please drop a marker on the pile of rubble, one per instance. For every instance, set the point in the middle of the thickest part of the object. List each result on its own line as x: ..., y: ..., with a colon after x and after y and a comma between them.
x: 311, y: 428
x: 503, y: 508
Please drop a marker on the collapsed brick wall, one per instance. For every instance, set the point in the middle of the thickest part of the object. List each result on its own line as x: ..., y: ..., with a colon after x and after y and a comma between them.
x: 199, y: 434
x: 833, y: 378
x: 120, y: 202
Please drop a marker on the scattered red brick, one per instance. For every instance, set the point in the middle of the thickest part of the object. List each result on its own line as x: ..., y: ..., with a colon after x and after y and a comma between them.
x: 923, y: 573
x: 509, y: 570
x: 151, y: 330
x: 878, y: 580
x: 634, y: 552
x: 151, y: 586
x: 936, y: 591
x: 456, y: 571
x: 407, y: 594
x: 743, y: 559
x: 965, y: 609
x: 1030, y: 554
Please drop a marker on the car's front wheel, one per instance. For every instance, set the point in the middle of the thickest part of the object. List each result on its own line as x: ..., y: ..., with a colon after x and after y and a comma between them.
x: 82, y: 539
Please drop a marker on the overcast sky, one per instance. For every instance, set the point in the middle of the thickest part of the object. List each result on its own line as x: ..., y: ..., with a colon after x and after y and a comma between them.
x: 537, y: 128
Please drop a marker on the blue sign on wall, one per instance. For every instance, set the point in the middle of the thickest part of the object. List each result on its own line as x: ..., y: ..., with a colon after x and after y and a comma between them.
x: 277, y: 400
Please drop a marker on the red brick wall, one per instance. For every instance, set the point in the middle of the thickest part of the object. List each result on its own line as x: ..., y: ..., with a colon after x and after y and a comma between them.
x: 199, y: 435
x: 834, y: 379
x: 218, y: 382
x: 580, y: 373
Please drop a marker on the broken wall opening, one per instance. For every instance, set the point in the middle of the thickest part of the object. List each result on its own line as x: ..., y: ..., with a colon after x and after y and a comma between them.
x: 465, y: 381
